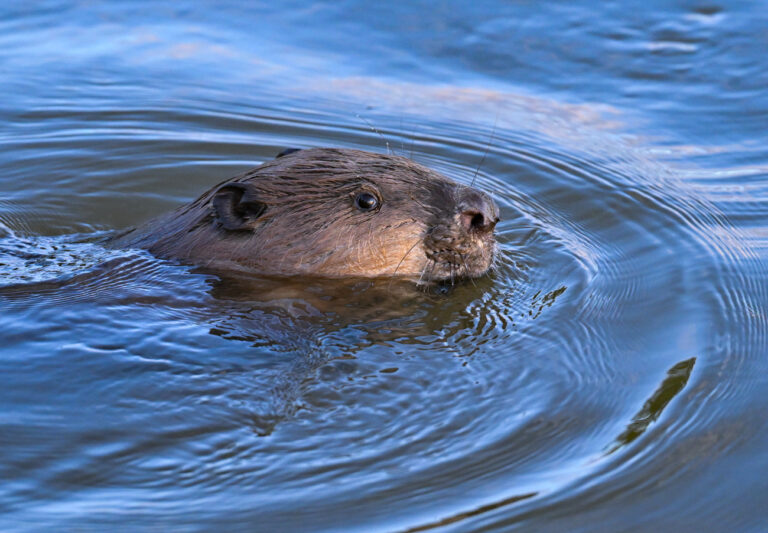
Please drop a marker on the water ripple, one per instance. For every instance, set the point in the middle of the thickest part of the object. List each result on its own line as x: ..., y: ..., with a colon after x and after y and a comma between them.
x: 603, y: 357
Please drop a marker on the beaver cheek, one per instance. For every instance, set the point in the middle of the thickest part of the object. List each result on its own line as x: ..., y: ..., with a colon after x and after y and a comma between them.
x: 387, y: 252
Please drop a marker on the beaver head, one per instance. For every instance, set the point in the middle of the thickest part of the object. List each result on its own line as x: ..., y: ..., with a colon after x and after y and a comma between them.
x: 334, y: 212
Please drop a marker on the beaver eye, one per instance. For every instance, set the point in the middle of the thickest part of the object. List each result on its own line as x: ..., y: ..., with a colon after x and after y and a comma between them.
x: 365, y: 201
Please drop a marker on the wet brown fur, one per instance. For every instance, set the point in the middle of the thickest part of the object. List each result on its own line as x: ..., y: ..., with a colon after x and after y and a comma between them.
x: 311, y: 226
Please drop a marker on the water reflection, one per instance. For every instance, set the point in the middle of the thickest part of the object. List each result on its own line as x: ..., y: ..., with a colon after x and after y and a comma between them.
x: 675, y: 381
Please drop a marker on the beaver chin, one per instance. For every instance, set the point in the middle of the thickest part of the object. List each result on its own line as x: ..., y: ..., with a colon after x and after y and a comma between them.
x: 452, y: 265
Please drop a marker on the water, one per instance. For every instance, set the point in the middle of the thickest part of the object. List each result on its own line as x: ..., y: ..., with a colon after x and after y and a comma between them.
x: 608, y: 376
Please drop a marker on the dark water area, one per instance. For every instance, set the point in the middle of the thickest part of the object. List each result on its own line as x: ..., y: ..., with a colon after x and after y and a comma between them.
x: 609, y: 375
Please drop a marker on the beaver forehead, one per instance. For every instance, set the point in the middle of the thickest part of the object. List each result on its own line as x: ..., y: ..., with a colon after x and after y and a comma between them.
x: 344, y: 159
x: 325, y: 174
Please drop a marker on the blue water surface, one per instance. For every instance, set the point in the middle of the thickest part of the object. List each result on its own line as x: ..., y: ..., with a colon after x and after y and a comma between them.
x: 609, y: 375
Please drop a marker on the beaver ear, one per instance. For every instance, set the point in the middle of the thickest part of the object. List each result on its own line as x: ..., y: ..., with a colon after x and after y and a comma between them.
x: 287, y: 151
x: 236, y: 206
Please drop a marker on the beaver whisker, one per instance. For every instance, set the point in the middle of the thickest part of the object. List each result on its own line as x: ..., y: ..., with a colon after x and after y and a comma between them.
x: 400, y: 132
x: 421, y: 277
x: 413, y: 142
x: 386, y: 142
x: 401, y: 262
x: 430, y: 276
x: 487, y: 147
x: 499, y: 260
x: 466, y: 268
x: 418, y: 202
x: 429, y: 267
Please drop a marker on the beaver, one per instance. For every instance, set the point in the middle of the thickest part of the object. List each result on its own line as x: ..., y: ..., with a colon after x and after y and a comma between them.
x: 332, y: 212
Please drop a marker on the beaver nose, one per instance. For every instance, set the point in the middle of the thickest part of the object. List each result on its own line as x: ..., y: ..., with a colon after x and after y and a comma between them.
x: 479, y: 213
